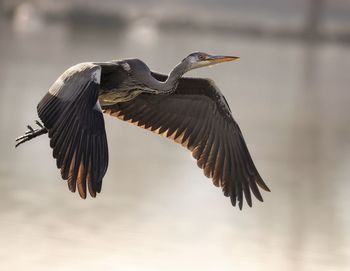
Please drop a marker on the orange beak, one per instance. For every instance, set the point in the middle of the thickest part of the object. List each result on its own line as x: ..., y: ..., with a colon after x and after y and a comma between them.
x: 220, y: 59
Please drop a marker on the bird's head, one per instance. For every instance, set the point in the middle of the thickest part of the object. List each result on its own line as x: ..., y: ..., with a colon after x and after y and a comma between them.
x: 199, y: 60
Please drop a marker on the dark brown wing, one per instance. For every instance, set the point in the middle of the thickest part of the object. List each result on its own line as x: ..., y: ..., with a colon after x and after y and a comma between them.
x: 71, y: 113
x: 197, y: 116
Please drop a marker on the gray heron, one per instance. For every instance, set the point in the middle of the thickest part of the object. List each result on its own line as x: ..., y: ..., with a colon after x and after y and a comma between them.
x: 191, y: 111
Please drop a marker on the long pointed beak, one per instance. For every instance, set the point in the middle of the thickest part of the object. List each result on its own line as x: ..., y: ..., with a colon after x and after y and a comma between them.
x: 219, y: 59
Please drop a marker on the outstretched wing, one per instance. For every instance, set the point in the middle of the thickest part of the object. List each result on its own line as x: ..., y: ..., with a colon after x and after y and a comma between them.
x: 72, y: 114
x: 197, y: 116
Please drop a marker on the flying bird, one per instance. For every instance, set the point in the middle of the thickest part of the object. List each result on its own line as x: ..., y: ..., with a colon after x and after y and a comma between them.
x: 191, y: 111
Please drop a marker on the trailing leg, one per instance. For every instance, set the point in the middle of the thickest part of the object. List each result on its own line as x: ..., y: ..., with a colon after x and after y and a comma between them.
x: 31, y: 133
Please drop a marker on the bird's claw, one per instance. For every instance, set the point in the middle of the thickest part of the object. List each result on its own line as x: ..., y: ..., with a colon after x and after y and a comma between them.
x: 39, y: 124
x: 31, y: 130
x: 31, y: 133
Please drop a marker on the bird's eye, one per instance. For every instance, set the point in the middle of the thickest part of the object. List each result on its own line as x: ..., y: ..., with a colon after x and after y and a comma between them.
x: 201, y: 57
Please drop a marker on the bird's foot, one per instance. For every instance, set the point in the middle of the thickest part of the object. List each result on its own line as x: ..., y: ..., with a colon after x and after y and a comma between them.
x: 31, y: 133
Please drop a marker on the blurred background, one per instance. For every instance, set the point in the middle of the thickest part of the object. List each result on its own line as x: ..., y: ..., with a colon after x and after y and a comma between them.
x: 290, y: 93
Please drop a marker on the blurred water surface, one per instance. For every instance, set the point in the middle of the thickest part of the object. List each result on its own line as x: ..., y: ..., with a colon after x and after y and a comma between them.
x: 157, y: 211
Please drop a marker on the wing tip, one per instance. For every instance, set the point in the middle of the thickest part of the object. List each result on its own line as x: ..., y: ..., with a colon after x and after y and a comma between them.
x: 262, y: 185
x: 82, y: 194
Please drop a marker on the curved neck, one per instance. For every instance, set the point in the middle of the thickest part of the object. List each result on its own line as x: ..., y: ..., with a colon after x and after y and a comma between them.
x: 172, y: 79
x: 176, y: 74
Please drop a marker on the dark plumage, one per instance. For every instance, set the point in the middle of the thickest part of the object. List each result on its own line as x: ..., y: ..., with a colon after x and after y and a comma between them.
x: 190, y: 111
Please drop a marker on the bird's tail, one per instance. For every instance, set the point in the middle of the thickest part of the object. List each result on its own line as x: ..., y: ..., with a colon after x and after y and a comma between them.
x: 31, y: 133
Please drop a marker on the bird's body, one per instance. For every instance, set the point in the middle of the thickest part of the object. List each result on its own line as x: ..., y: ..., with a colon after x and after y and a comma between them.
x: 191, y: 111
